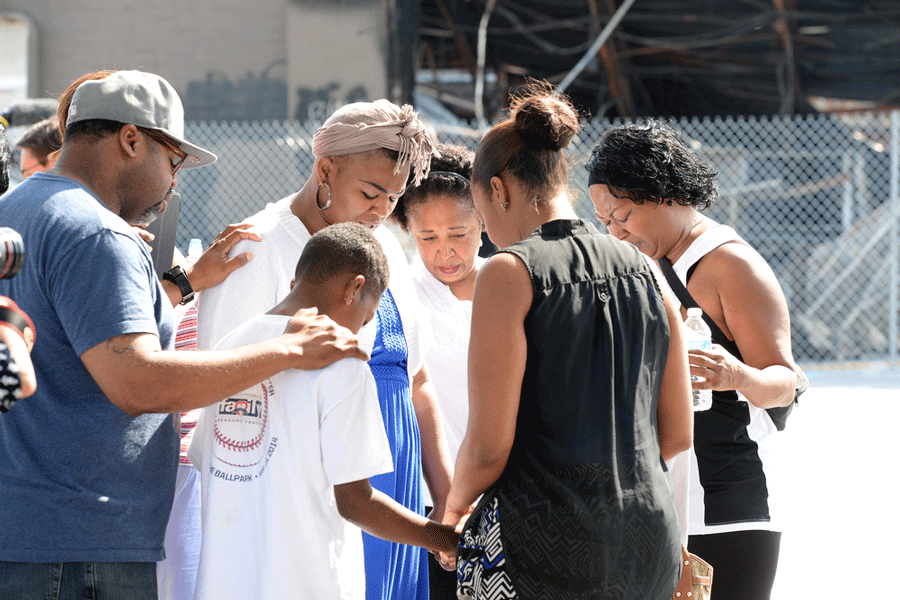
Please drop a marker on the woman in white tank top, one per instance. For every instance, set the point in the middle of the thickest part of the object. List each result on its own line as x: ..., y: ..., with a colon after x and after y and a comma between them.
x: 647, y: 187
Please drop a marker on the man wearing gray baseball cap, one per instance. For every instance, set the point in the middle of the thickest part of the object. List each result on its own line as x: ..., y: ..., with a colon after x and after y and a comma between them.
x: 88, y: 462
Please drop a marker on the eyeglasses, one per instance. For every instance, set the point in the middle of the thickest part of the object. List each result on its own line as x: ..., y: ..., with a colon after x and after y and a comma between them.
x: 164, y: 141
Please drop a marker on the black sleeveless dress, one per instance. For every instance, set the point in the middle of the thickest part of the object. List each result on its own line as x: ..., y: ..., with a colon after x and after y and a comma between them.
x: 584, y: 507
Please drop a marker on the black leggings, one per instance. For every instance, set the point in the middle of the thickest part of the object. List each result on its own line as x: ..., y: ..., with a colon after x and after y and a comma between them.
x: 744, y: 562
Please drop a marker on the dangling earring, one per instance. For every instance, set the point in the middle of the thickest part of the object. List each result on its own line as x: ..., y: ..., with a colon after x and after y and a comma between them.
x: 503, y: 205
x: 327, y: 204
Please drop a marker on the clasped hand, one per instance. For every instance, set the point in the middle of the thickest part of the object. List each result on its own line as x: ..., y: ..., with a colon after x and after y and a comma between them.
x: 457, y: 520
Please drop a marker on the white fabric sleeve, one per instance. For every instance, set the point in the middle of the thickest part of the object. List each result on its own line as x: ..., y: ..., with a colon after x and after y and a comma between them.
x: 245, y: 293
x: 411, y: 311
x: 354, y: 443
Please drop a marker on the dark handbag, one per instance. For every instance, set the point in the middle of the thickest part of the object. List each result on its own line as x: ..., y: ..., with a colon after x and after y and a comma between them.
x: 778, y: 414
x: 696, y: 578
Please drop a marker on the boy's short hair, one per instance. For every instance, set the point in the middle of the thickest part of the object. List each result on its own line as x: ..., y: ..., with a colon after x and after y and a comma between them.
x: 344, y: 248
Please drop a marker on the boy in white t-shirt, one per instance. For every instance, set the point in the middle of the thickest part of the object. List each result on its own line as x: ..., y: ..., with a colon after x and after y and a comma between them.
x: 285, y: 464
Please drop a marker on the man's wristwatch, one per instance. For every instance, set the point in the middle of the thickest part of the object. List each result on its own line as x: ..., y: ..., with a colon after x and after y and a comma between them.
x: 177, y: 276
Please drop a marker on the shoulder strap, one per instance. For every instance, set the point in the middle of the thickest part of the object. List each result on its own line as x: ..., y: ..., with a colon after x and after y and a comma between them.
x: 677, y: 287
x: 687, y: 300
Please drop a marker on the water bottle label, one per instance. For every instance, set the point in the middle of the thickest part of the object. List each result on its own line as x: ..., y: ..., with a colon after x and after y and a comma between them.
x: 700, y: 344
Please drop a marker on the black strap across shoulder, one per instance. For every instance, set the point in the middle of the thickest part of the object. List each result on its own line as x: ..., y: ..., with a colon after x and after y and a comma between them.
x: 686, y: 299
x: 780, y: 414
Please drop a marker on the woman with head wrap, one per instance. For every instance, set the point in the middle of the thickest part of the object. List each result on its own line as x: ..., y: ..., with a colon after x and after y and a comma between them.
x: 364, y: 153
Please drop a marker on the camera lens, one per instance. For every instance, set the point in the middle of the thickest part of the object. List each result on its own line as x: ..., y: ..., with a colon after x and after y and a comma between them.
x: 12, y: 252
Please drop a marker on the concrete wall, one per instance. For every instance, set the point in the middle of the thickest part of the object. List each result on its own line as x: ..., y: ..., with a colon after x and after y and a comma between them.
x: 335, y: 56
x: 229, y: 59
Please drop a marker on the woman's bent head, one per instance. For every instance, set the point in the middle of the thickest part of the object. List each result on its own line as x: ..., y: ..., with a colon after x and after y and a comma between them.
x: 645, y: 185
x: 440, y: 215
x: 364, y: 153
x: 523, y: 155
x: 647, y: 162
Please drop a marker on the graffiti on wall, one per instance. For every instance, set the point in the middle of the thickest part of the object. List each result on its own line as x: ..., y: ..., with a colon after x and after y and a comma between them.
x: 253, y: 97
x: 262, y: 97
x: 317, y: 104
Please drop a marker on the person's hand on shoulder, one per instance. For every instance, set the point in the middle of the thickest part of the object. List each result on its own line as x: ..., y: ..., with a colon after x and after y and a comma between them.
x: 145, y: 236
x: 214, y: 265
x: 319, y: 341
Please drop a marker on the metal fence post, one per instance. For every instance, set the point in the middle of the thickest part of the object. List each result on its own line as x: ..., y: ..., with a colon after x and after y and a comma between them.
x: 895, y: 235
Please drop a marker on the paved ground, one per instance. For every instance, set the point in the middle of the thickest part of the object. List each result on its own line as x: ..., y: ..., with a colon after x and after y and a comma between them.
x: 844, y: 529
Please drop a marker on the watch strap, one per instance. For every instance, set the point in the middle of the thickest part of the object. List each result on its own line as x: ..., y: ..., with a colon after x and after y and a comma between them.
x: 177, y: 276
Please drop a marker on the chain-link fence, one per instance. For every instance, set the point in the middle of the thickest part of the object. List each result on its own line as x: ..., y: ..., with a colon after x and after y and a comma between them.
x: 817, y: 196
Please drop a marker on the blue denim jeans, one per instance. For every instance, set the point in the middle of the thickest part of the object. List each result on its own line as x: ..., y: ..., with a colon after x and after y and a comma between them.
x: 77, y: 581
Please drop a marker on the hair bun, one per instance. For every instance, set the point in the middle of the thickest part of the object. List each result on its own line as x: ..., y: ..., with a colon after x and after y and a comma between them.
x: 544, y: 121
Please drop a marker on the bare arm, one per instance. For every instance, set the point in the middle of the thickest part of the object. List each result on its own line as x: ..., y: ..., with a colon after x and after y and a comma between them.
x: 437, y: 466
x: 378, y: 515
x: 497, y: 351
x: 675, y: 411
x: 741, y: 294
x: 139, y: 377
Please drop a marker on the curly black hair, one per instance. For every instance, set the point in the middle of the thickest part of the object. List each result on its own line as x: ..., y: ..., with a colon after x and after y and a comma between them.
x: 647, y: 162
x: 449, y: 176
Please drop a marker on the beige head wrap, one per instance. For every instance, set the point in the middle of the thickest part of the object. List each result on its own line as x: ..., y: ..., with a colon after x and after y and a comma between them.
x: 365, y: 126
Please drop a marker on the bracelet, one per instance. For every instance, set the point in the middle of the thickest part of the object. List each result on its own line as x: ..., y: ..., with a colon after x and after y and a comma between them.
x: 177, y: 276
x: 13, y: 316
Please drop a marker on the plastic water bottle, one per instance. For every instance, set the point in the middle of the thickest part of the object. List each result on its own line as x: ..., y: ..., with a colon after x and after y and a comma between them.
x: 195, y: 249
x: 699, y: 337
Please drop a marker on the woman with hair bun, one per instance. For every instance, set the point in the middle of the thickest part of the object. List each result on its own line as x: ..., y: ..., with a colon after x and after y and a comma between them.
x: 578, y: 388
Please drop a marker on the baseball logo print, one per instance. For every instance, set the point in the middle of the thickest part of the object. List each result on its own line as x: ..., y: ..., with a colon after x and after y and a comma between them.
x: 241, y: 427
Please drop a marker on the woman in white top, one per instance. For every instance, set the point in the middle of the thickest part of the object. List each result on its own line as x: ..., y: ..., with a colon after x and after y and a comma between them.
x: 440, y: 216
x: 647, y: 188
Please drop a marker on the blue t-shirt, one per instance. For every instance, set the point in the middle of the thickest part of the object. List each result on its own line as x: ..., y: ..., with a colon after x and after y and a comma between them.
x: 80, y: 480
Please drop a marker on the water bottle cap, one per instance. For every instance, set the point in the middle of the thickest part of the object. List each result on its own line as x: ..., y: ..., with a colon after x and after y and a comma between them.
x: 195, y: 248
x: 695, y: 312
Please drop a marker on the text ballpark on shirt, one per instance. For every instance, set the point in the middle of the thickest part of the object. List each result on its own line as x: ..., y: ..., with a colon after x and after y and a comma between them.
x: 244, y: 478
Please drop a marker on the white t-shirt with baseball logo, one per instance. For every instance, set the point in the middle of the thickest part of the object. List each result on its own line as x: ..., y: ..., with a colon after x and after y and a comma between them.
x: 269, y: 458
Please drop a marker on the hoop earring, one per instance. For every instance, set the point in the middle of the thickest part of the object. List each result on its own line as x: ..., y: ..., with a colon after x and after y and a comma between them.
x: 327, y: 204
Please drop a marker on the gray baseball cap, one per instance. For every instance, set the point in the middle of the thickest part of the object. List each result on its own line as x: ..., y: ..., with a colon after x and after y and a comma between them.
x: 139, y: 98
